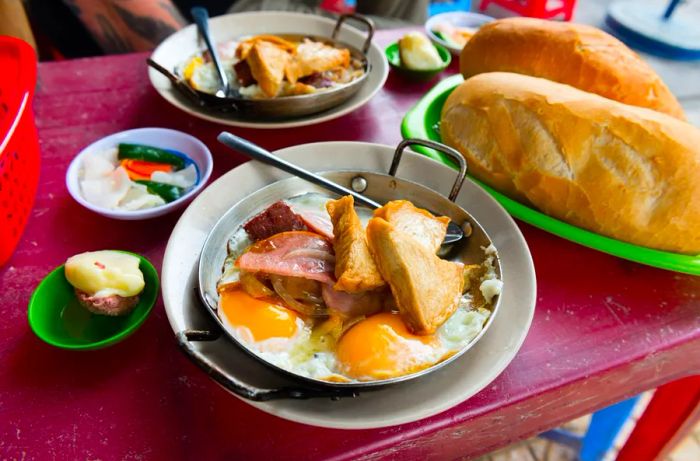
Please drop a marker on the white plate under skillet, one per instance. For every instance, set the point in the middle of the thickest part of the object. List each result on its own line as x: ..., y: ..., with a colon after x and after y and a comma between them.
x: 174, y: 50
x: 385, y: 406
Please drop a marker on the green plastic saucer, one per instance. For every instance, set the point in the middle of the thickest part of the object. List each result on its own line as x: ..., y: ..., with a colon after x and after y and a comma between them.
x: 56, y: 317
x: 423, y: 121
x: 394, y: 58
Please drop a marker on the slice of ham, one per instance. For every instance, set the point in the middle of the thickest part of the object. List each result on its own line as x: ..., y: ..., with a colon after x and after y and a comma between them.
x: 276, y: 218
x: 292, y: 254
x: 316, y: 222
x: 351, y: 305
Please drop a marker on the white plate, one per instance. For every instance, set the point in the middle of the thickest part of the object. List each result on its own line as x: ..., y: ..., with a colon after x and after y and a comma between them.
x: 394, y: 404
x: 184, y: 43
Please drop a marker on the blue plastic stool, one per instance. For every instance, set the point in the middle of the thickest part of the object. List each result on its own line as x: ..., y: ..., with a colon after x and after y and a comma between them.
x: 446, y: 6
x: 604, y: 427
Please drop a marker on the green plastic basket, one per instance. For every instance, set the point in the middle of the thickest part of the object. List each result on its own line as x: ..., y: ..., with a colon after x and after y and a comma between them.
x: 423, y: 121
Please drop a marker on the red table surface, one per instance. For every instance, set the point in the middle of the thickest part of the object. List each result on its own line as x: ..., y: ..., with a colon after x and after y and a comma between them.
x: 604, y: 328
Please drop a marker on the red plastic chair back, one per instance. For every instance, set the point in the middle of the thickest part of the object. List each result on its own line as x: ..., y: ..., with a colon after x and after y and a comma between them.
x: 19, y: 145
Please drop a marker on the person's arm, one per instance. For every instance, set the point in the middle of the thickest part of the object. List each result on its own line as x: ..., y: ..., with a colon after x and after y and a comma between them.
x: 13, y: 21
x: 121, y: 26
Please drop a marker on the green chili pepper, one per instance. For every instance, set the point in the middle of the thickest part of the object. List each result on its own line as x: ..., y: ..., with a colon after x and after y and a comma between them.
x: 168, y: 192
x: 150, y: 154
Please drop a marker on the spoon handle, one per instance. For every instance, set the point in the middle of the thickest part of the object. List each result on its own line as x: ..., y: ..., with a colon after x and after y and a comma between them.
x: 258, y: 153
x: 201, y: 18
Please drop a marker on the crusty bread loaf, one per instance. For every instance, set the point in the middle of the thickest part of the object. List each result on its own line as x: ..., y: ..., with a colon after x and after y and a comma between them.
x: 578, y: 55
x: 622, y: 171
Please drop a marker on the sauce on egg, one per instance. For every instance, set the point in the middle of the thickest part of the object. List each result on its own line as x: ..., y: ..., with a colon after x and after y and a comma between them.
x: 381, y: 347
x: 264, y: 319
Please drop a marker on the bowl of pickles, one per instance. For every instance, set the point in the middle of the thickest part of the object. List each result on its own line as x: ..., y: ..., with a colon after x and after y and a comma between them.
x: 139, y: 174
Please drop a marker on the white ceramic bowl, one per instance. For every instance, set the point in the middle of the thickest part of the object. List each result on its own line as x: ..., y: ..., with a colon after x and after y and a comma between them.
x: 457, y: 19
x: 156, y: 137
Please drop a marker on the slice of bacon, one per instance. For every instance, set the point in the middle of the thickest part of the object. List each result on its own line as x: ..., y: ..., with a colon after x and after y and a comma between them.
x: 351, y: 305
x: 292, y: 254
x: 316, y: 222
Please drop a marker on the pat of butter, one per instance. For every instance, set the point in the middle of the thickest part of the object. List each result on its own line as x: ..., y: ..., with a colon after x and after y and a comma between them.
x: 418, y: 53
x: 105, y: 273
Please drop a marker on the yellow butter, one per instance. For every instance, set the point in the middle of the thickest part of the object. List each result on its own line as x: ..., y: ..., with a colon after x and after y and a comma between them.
x: 105, y: 273
x: 418, y: 53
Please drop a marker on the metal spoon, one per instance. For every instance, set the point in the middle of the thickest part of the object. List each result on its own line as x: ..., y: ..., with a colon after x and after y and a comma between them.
x: 201, y: 18
x: 454, y: 231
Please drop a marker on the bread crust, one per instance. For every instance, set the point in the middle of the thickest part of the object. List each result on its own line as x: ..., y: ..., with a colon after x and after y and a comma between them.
x: 575, y: 54
x: 626, y: 172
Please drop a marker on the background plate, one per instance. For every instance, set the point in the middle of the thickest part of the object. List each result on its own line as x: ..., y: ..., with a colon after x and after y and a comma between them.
x: 395, y: 404
x: 423, y: 121
x: 184, y: 43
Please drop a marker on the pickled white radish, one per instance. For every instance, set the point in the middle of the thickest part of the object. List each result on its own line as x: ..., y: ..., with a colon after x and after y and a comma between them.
x: 138, y: 198
x: 108, y: 190
x: 184, y: 178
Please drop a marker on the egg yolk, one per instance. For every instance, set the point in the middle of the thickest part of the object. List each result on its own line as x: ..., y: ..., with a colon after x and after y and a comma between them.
x: 381, y: 347
x: 264, y: 319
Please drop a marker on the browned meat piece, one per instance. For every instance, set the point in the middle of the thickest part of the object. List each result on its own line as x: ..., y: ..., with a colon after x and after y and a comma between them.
x: 243, y: 73
x: 426, y: 288
x: 355, y: 269
x: 267, y: 63
x: 420, y: 224
x: 107, y: 305
x: 277, y: 218
x: 313, y: 57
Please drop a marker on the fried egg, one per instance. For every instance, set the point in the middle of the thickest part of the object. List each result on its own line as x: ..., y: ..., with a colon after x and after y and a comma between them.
x: 276, y: 333
x: 203, y: 76
x: 375, y: 348
x: 381, y: 347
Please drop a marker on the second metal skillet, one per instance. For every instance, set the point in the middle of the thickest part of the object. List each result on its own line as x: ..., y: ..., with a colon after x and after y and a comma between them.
x: 284, y: 107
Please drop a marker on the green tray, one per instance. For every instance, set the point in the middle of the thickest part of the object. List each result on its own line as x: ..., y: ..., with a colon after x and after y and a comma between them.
x: 423, y: 121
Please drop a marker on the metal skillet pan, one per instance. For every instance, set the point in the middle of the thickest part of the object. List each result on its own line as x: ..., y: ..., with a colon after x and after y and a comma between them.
x: 283, y: 107
x: 380, y: 187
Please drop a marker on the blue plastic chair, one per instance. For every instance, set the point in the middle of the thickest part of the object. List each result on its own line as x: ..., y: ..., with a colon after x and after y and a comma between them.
x: 445, y: 6
x: 602, y: 431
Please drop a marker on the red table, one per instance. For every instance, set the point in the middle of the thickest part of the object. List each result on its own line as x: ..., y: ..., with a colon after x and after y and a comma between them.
x: 604, y: 329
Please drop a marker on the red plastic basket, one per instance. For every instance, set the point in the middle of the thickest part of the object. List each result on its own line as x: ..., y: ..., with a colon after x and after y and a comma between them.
x: 19, y: 145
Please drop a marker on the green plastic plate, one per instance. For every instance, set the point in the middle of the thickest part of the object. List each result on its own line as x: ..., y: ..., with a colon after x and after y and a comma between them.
x: 423, y: 121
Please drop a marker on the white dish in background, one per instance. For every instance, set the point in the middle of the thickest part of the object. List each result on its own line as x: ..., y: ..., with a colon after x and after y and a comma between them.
x: 163, y: 138
x: 386, y: 406
x: 184, y: 43
x: 457, y: 19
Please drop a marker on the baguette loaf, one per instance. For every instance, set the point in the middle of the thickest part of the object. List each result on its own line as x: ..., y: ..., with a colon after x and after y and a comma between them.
x: 578, y: 55
x: 630, y: 173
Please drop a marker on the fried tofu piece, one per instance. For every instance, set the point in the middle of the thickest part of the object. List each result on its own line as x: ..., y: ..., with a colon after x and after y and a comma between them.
x: 421, y: 224
x: 426, y: 288
x: 355, y: 269
x: 267, y: 62
x: 312, y: 57
x: 245, y: 46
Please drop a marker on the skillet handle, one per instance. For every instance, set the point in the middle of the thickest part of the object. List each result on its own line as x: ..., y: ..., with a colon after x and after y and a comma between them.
x: 453, y: 153
x: 185, y: 338
x: 367, y: 21
x: 177, y: 82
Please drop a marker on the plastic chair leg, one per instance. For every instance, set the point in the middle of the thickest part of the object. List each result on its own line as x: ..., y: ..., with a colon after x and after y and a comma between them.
x: 604, y: 427
x: 603, y: 430
x: 669, y: 417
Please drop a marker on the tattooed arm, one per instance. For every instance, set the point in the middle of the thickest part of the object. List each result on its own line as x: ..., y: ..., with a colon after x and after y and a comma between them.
x: 121, y: 26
